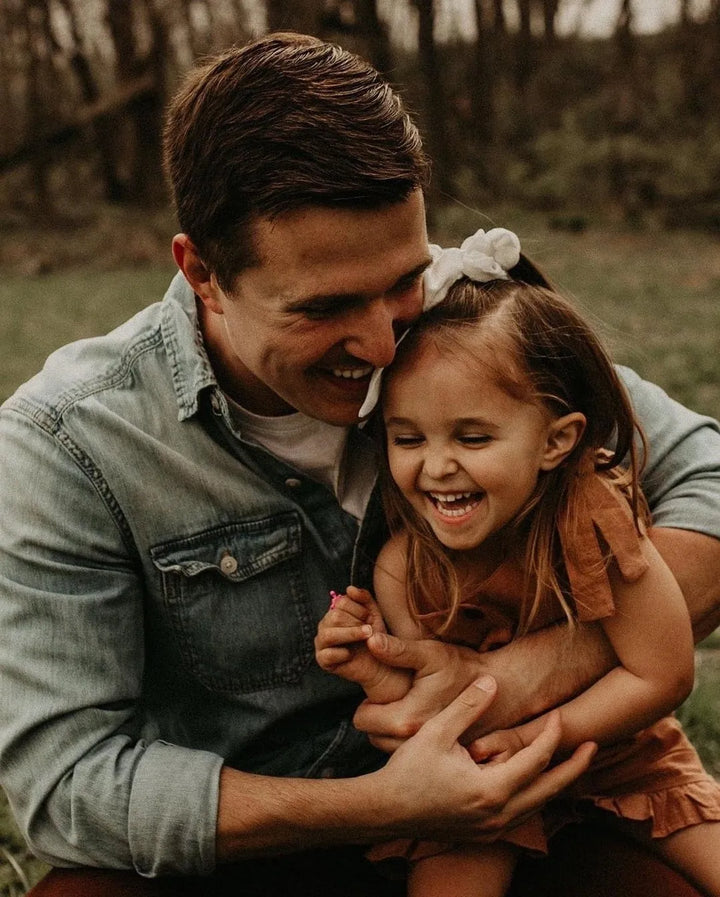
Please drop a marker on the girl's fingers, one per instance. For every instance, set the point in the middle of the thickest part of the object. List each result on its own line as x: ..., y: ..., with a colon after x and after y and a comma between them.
x: 331, y: 636
x: 532, y: 786
x: 329, y: 658
x: 344, y: 608
x: 362, y: 596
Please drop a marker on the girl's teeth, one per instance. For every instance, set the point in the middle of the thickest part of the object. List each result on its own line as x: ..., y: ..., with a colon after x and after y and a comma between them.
x: 455, y: 512
x: 449, y: 496
x: 442, y: 502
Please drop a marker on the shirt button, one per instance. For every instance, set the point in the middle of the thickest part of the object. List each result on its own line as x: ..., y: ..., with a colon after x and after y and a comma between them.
x: 293, y: 483
x: 228, y: 564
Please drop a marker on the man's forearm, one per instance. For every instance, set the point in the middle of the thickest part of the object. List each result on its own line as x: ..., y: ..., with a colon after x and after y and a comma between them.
x: 542, y: 670
x: 564, y: 662
x: 430, y: 788
x: 260, y: 815
x: 694, y: 560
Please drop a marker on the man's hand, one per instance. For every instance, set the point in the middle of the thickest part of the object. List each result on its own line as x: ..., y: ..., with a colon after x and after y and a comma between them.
x: 440, y: 672
x: 453, y: 797
x: 536, y: 672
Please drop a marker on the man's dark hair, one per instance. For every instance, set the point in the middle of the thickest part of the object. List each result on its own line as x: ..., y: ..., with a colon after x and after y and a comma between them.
x: 284, y: 122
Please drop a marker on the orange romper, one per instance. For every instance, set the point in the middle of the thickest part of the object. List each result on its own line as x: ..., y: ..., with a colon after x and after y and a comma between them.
x: 655, y: 776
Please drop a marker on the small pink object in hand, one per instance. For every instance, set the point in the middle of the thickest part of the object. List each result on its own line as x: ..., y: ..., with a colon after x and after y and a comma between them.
x: 334, y: 598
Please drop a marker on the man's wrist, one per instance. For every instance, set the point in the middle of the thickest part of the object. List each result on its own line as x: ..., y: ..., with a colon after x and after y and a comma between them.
x: 265, y: 815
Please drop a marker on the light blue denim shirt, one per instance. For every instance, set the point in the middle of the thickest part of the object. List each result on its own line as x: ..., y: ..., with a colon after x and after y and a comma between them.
x: 160, y: 586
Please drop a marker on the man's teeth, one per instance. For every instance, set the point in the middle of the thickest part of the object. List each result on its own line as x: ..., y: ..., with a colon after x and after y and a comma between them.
x: 352, y: 373
x: 442, y: 500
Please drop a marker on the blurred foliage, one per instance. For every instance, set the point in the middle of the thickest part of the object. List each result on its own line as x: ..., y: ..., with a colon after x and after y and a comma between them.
x: 626, y: 126
x: 18, y: 868
x: 592, y: 154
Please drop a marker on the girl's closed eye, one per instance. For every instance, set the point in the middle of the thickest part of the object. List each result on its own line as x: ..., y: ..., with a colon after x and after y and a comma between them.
x: 474, y: 439
x: 408, y: 441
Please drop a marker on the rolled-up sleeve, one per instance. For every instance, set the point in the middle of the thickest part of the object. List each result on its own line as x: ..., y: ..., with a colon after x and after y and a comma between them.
x: 681, y: 479
x: 86, y: 788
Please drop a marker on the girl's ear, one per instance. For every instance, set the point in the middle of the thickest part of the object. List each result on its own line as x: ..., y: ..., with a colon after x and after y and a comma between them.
x: 564, y: 433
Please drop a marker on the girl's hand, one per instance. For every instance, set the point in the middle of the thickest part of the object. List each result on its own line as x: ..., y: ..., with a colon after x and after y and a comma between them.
x: 497, y: 747
x: 340, y: 647
x: 343, y: 628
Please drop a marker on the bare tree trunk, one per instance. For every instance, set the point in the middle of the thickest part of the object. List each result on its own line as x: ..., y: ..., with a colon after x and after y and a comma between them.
x: 356, y: 25
x: 483, y: 76
x: 435, y: 102
x: 103, y: 128
x: 119, y: 17
x: 147, y: 110
x: 549, y: 15
x: 715, y: 50
x: 37, y: 31
x: 500, y: 22
x: 8, y: 66
x: 376, y: 36
x: 687, y: 51
x: 196, y: 45
x: 623, y: 186
x: 627, y: 106
x: 138, y: 169
x: 293, y: 15
x: 524, y: 53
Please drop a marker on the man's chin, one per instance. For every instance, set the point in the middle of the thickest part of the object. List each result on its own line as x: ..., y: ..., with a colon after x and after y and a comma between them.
x: 336, y: 414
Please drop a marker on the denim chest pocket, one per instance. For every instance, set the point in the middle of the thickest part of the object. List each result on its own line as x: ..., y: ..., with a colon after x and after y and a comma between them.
x: 236, y: 600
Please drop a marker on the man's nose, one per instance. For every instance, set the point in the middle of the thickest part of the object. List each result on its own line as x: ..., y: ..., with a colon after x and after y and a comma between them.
x: 378, y: 328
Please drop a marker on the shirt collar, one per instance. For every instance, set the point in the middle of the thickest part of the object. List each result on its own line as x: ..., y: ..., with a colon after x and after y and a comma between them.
x: 189, y: 363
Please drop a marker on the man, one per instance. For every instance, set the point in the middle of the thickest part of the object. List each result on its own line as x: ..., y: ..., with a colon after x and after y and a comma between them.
x: 180, y: 496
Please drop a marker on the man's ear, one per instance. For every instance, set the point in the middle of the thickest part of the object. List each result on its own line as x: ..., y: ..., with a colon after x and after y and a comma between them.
x: 564, y: 434
x: 196, y: 273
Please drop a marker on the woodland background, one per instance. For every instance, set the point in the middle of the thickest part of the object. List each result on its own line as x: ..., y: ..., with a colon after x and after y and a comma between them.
x: 601, y: 149
x: 511, y: 107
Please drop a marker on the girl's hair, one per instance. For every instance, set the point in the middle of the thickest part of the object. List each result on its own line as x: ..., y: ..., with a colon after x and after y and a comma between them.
x: 536, y: 347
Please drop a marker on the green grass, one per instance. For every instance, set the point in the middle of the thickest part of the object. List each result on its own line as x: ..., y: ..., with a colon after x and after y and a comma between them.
x: 39, y: 314
x: 18, y: 868
x: 654, y: 296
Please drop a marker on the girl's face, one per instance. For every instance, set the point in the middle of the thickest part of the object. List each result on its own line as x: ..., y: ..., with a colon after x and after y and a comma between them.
x: 464, y: 452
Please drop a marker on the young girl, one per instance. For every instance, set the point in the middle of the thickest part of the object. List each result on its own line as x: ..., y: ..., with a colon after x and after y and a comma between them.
x: 508, y: 514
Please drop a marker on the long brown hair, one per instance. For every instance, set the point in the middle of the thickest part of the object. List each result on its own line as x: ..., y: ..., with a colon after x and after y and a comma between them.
x: 541, y: 349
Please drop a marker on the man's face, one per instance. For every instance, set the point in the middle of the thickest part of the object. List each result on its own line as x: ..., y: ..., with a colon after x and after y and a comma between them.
x: 304, y: 329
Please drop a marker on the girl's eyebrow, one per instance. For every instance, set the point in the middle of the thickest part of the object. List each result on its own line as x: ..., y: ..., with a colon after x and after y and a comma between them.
x: 459, y: 422
x: 399, y: 422
x: 476, y: 422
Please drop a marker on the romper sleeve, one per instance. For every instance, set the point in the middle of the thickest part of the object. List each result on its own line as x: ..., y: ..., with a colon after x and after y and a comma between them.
x: 598, y: 530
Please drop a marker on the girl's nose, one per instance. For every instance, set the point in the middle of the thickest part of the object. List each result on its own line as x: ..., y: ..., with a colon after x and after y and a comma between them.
x: 439, y: 464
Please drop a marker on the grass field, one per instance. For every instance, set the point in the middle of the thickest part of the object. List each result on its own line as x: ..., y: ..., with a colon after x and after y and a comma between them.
x: 654, y: 296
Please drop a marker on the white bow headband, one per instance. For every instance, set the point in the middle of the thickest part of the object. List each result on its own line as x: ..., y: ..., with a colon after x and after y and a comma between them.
x: 482, y: 257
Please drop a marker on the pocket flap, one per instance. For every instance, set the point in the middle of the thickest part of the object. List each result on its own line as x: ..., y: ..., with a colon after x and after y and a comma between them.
x: 236, y: 551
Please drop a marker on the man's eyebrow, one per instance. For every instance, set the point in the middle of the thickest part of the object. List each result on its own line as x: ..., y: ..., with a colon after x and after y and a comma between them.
x: 413, y: 274
x: 321, y: 299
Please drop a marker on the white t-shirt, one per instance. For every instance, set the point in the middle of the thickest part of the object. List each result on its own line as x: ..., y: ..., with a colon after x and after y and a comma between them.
x: 327, y: 454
